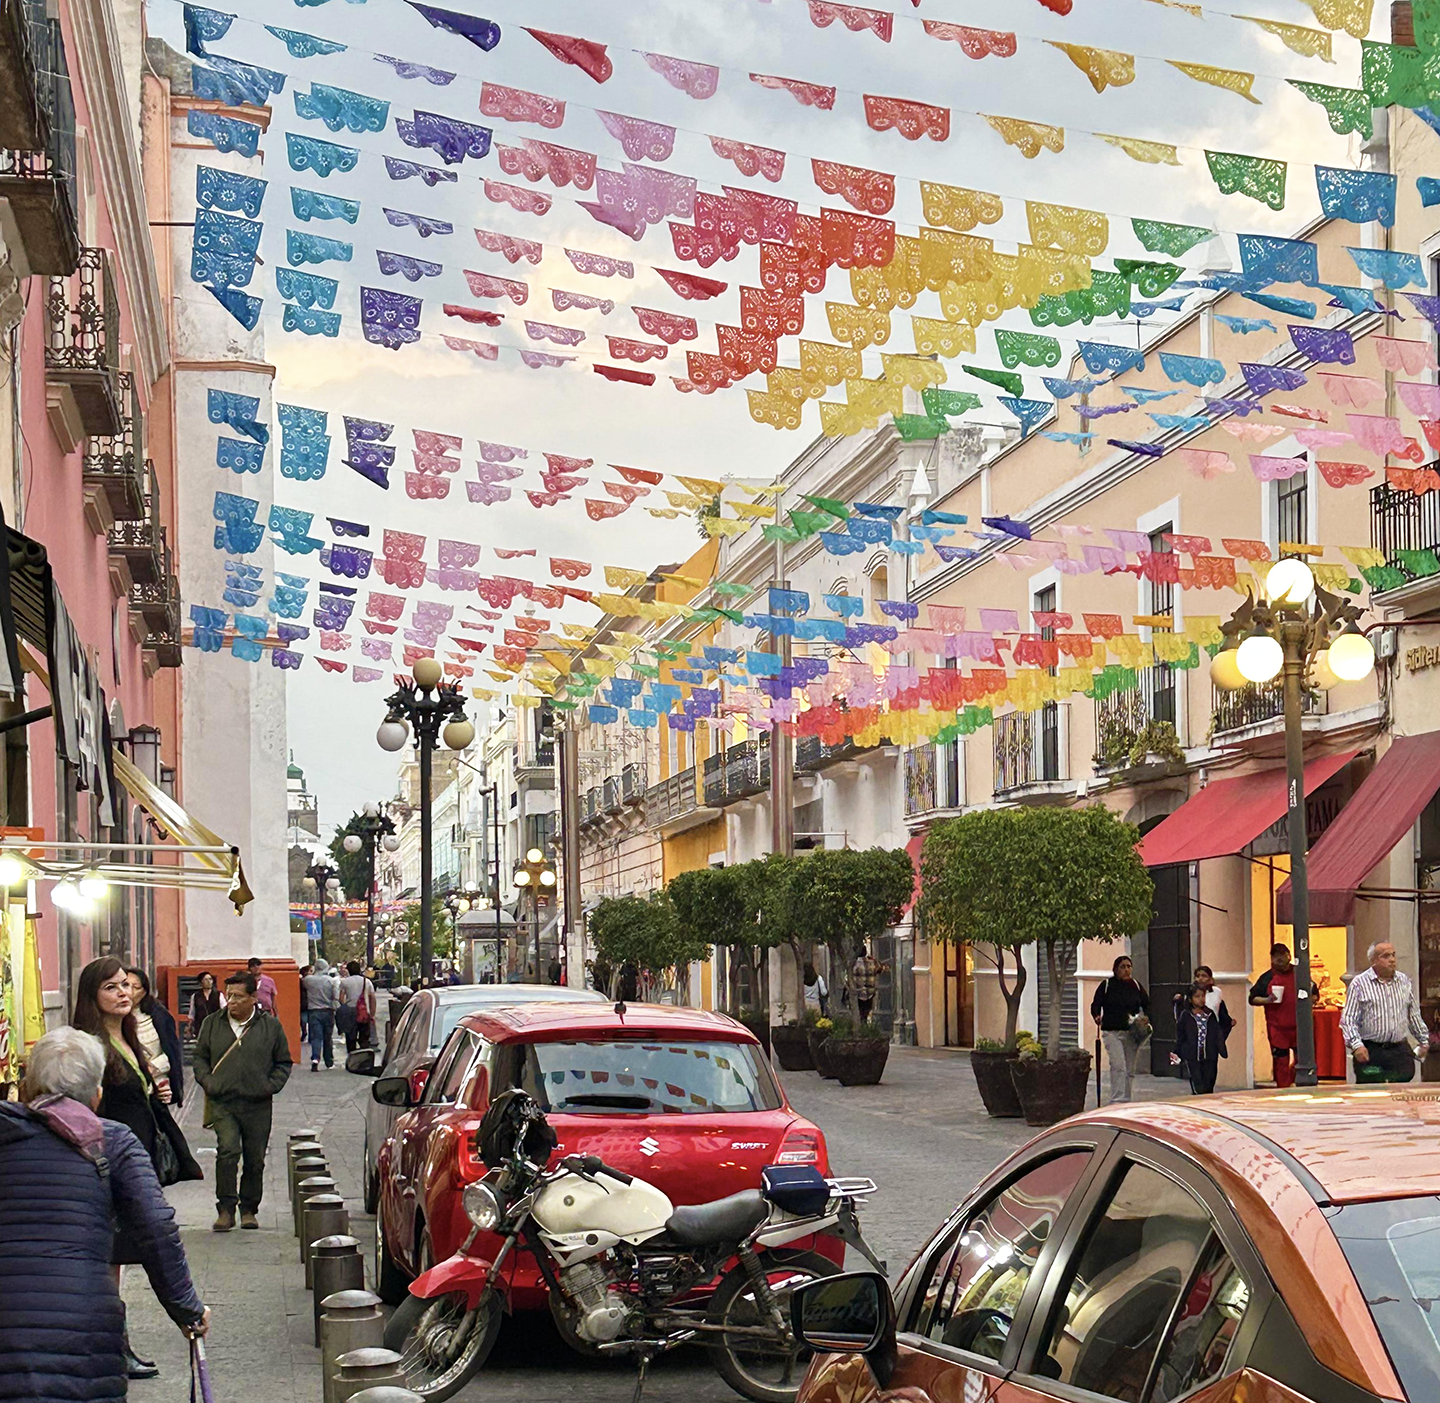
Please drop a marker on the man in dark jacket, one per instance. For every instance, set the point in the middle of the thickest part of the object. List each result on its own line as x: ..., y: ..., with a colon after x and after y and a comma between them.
x: 68, y: 1181
x: 241, y: 1059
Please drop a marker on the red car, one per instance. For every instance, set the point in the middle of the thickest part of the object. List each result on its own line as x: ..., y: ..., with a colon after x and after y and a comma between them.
x: 682, y: 1098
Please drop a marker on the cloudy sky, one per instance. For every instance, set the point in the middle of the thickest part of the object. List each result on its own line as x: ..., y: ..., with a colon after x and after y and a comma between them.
x: 575, y: 412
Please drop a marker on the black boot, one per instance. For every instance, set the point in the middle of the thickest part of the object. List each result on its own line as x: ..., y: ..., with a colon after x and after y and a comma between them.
x: 135, y: 1367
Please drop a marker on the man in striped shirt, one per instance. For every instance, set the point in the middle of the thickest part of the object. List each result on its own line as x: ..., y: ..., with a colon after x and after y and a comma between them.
x: 1380, y: 1010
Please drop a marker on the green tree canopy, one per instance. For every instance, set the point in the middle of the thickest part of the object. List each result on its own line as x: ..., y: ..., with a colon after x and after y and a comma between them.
x: 353, y: 869
x: 643, y: 930
x: 1007, y: 878
x: 844, y: 898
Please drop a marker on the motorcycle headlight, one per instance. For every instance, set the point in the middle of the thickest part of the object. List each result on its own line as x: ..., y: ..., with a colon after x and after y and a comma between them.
x: 482, y: 1207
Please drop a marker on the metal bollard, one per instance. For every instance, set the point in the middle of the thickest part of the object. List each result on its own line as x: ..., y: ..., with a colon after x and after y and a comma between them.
x: 307, y: 1132
x: 309, y: 1151
x: 386, y: 1393
x: 325, y: 1216
x: 335, y: 1265
x: 308, y: 1188
x: 365, y: 1369
x: 349, y: 1320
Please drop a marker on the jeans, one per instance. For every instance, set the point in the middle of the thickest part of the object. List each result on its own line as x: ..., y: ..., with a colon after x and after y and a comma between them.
x: 1395, y: 1059
x: 1202, y: 1075
x: 322, y: 1027
x: 1121, y: 1052
x: 242, y: 1128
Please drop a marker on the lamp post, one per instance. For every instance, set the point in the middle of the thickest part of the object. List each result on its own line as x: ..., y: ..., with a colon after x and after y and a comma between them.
x: 535, y: 875
x: 324, y: 879
x: 1297, y: 632
x: 433, y: 709
x: 371, y: 827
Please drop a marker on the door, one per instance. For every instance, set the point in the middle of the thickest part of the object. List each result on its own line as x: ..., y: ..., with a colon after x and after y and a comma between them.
x: 1070, y: 1008
x: 1168, y: 939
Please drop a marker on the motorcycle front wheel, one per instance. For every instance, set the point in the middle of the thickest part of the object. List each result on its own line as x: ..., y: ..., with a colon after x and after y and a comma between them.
x: 442, y: 1345
x: 767, y: 1371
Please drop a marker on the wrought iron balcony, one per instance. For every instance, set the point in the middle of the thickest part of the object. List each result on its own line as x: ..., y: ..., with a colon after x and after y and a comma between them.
x: 1403, y: 521
x: 141, y: 543
x: 738, y: 772
x: 114, y: 468
x: 934, y: 778
x: 82, y: 342
x: 1121, y: 717
x: 673, y: 801
x: 1031, y: 748
x: 158, y: 605
x: 811, y: 753
x: 632, y: 783
x: 1254, y: 705
x: 37, y: 137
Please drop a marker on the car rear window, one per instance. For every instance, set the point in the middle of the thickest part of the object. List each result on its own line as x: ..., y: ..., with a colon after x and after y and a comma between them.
x: 1393, y: 1247
x: 448, y: 1015
x: 648, y: 1078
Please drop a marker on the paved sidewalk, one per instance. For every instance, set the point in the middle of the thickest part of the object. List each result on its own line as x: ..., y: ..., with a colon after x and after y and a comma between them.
x: 921, y: 1135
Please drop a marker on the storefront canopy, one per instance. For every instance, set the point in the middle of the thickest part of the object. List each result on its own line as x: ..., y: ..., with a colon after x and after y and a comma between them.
x: 1378, y: 815
x: 1229, y: 813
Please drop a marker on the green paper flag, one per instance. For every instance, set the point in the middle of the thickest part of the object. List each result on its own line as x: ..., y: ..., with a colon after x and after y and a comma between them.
x: 1349, y: 109
x: 646, y: 670
x: 1025, y: 348
x: 735, y: 616
x: 1398, y: 76
x: 947, y: 402
x: 564, y: 705
x: 828, y: 504
x: 1426, y: 19
x: 1174, y: 239
x: 1257, y: 176
x: 1010, y: 383
x: 808, y: 523
x: 1383, y: 577
x: 731, y: 591
x: 918, y: 426
x: 1150, y: 279
x: 1107, y: 296
x: 786, y: 534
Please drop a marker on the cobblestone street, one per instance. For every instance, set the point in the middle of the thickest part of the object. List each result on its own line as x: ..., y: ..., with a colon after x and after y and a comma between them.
x: 921, y: 1135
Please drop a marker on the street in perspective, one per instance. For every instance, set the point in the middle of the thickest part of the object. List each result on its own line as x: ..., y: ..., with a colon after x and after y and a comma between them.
x: 940, y: 904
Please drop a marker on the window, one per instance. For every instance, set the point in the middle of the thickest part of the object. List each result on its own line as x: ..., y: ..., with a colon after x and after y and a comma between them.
x: 450, y: 1067
x: 1292, y: 508
x: 1136, y: 1260
x: 1161, y: 689
x: 1205, y: 1327
x: 971, y: 1300
x: 1047, y: 753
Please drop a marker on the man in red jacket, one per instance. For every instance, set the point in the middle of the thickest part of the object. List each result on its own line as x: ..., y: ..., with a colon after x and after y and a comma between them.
x: 1275, y: 991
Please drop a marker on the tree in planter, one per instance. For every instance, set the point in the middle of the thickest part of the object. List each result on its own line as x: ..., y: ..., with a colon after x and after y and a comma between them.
x: 722, y: 906
x: 843, y: 898
x: 642, y: 931
x: 768, y: 883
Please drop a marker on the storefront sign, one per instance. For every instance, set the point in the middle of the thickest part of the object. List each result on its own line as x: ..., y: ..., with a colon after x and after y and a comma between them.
x: 1419, y: 659
x: 1321, y: 809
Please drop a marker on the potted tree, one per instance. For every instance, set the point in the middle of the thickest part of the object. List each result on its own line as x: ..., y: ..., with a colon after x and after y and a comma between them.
x: 643, y: 931
x: 1086, y: 882
x: 856, y: 1053
x: 818, y: 1032
x: 972, y: 879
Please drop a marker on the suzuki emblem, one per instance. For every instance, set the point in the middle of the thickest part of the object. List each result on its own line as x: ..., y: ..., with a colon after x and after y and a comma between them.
x: 649, y: 1146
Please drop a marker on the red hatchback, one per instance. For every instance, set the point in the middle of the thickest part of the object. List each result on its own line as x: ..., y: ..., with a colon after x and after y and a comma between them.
x: 679, y: 1097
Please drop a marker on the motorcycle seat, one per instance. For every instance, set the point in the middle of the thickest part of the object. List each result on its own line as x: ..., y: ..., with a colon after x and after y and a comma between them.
x: 721, y: 1221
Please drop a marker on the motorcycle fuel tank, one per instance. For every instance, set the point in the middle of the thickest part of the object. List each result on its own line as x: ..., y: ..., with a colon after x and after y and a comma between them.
x: 631, y: 1211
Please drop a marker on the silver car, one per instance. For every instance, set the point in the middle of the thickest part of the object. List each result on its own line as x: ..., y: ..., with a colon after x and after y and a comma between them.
x: 415, y: 1038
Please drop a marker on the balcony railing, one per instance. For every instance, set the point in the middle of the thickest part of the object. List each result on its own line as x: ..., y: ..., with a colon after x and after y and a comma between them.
x: 1122, y: 716
x: 632, y: 783
x: 37, y: 136
x: 934, y: 778
x: 1254, y: 705
x: 114, y: 468
x: 82, y: 342
x: 611, y: 798
x: 158, y: 605
x: 1030, y: 747
x: 738, y: 772
x: 141, y: 543
x: 671, y: 799
x: 1403, y: 521
x: 811, y: 753
x: 590, y: 804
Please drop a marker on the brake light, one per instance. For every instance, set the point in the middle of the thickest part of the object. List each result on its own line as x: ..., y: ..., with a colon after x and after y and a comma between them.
x: 418, y: 1078
x: 800, y: 1147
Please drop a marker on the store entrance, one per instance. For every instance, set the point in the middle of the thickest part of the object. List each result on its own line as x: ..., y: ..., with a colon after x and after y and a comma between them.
x: 1168, y: 949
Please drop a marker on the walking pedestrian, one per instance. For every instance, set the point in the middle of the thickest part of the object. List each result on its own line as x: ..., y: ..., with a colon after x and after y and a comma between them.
x: 159, y: 1035
x: 304, y: 1006
x: 204, y: 1001
x: 322, y: 997
x: 72, y: 1186
x: 1205, y: 978
x: 1200, y: 1037
x: 1276, y: 992
x: 356, y: 1014
x: 817, y: 992
x: 242, y: 1060
x: 1118, y: 1008
x: 1380, y: 1011
x: 265, y: 990
x: 865, y: 981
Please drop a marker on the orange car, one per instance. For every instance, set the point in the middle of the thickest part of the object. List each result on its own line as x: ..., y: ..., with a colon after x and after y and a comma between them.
x: 1248, y: 1248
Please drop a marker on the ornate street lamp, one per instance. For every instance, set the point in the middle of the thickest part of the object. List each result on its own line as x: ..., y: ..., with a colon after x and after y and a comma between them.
x: 433, y: 710
x: 370, y: 827
x: 1300, y: 631
x: 325, y: 880
x: 534, y: 875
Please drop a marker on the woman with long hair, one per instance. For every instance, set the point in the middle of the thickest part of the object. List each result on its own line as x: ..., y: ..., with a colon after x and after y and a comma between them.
x: 159, y: 1037
x: 205, y: 1001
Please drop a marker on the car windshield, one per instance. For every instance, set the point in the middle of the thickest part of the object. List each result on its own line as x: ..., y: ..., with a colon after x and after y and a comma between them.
x: 1394, y: 1250
x: 648, y: 1078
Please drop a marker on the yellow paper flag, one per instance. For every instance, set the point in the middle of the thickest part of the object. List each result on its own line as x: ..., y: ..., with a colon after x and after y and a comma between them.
x: 1311, y: 43
x: 701, y: 486
x: 1232, y: 80
x: 1028, y: 138
x: 618, y: 577
x: 1103, y: 67
x: 1151, y: 153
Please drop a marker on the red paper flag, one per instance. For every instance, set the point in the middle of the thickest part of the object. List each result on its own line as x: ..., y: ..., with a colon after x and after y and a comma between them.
x: 629, y: 377
x: 477, y: 316
x: 691, y: 287
x: 563, y: 569
x: 601, y: 511
x: 638, y: 475
x: 911, y: 119
x: 871, y: 192
x: 583, y: 53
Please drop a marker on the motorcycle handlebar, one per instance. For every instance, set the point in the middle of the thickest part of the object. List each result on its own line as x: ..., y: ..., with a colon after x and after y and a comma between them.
x: 592, y: 1165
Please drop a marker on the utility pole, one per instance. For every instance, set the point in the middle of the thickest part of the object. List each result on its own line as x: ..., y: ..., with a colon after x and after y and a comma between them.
x: 568, y: 769
x: 782, y: 744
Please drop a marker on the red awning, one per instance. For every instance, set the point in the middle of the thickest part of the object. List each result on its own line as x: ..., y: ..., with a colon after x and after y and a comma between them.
x: 1229, y: 813
x: 917, y: 841
x: 1378, y: 815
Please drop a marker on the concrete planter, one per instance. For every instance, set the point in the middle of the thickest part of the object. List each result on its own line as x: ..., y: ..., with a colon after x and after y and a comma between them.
x: 817, y: 1040
x: 790, y: 1044
x: 1050, y: 1091
x: 995, y: 1085
x: 857, y: 1061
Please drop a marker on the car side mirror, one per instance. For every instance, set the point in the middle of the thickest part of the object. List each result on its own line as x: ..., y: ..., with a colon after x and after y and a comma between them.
x: 849, y: 1314
x: 393, y: 1091
x: 363, y: 1062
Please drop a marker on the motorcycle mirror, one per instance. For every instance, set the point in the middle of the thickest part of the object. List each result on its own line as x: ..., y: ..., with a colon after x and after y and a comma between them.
x: 849, y: 1314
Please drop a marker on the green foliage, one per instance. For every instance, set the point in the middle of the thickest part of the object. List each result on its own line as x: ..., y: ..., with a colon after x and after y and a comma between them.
x: 442, y: 930
x: 868, y: 1031
x: 643, y: 931
x: 715, y: 905
x: 1007, y: 878
x: 1157, y: 738
x: 353, y: 869
x: 843, y: 898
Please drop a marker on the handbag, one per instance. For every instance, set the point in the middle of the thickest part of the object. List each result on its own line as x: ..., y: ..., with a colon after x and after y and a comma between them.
x: 167, y: 1158
x: 362, y: 1009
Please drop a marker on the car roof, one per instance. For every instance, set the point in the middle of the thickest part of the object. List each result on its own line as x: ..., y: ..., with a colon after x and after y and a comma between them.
x: 1348, y: 1143
x: 479, y: 994
x: 554, y: 1022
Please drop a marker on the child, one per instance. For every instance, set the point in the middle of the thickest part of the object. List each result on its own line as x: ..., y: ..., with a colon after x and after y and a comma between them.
x: 1200, y: 1034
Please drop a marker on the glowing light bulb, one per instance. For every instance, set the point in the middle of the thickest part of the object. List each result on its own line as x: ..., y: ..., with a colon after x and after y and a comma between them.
x: 1290, y: 582
x: 1260, y: 658
x: 1351, y: 657
x: 1225, y: 670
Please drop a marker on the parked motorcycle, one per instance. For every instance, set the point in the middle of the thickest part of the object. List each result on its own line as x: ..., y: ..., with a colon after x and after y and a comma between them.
x: 627, y: 1272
